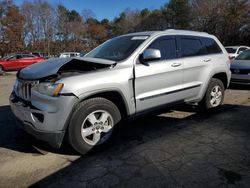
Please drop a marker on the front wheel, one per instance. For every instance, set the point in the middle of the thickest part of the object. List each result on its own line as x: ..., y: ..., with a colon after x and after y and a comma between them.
x: 214, y: 95
x: 92, y: 124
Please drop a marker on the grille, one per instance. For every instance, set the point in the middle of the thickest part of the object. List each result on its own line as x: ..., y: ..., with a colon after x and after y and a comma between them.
x: 240, y: 81
x: 23, y: 89
x: 240, y: 71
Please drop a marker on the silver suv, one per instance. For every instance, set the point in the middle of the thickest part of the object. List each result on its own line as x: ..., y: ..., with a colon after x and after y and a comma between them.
x: 125, y: 76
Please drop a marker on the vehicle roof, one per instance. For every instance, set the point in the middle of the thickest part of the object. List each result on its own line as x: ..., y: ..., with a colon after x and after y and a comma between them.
x: 69, y: 52
x: 21, y: 54
x: 247, y: 50
x: 172, y: 31
x: 236, y: 47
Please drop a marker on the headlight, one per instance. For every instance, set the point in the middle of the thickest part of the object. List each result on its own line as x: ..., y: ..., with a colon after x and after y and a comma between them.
x: 48, y: 88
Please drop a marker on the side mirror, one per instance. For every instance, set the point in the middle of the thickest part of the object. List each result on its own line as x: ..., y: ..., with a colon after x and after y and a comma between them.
x: 151, y: 54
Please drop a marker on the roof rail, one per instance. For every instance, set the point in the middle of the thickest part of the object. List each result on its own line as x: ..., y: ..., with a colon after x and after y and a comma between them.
x: 184, y: 30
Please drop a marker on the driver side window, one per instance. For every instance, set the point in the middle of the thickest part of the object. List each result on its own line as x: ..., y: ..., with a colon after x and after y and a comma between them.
x: 166, y: 45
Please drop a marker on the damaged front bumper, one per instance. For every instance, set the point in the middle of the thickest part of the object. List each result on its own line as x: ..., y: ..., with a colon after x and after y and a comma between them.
x: 46, y: 118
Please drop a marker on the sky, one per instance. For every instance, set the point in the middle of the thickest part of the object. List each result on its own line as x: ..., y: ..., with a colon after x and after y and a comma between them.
x: 106, y: 8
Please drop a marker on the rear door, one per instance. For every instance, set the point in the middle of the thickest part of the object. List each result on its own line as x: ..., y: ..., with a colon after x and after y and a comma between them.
x: 159, y: 82
x: 26, y: 60
x: 199, y: 54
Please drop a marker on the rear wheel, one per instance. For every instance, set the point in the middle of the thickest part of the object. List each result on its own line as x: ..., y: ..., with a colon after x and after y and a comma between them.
x: 92, y: 124
x: 214, y: 95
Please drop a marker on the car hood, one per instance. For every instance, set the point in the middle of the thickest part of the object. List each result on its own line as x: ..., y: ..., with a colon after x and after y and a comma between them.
x: 55, y: 65
x: 241, y: 64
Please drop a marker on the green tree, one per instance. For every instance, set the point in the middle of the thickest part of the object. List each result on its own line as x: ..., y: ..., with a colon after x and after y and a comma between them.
x: 177, y: 12
x: 156, y: 20
x: 74, y: 16
x: 119, y: 24
x: 145, y: 12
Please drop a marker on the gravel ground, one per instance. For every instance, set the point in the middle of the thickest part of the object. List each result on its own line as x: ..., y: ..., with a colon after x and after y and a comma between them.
x: 178, y: 148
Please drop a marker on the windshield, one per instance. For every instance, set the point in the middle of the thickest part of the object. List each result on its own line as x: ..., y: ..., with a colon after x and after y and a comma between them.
x: 245, y: 55
x: 231, y: 50
x: 118, y: 48
x: 8, y: 57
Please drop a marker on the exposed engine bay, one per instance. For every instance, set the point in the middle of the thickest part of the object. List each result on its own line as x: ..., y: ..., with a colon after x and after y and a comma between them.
x: 55, y: 69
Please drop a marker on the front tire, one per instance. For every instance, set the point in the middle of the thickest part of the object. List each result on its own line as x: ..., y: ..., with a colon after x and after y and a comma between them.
x: 92, y: 124
x: 214, y: 95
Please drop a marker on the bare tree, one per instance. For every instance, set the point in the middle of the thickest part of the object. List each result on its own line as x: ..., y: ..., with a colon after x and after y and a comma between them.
x: 12, y: 23
x: 42, y: 26
x: 222, y: 18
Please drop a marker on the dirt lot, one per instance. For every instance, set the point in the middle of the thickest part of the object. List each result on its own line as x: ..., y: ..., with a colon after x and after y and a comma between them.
x: 180, y: 148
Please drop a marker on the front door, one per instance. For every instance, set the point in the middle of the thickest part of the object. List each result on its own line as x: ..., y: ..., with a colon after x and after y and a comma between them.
x: 159, y: 82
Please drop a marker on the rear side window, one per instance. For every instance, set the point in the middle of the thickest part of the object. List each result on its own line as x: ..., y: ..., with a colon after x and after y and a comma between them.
x: 191, y: 46
x: 211, y: 46
x: 26, y: 56
x: 167, y: 47
x: 18, y: 57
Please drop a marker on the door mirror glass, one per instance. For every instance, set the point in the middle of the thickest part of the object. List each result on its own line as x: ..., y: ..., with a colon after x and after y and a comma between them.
x: 151, y: 54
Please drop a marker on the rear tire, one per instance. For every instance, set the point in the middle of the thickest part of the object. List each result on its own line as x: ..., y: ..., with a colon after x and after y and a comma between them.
x: 214, y: 95
x: 92, y: 124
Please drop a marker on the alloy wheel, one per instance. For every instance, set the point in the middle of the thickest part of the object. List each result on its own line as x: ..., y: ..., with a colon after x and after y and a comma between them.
x: 97, y: 127
x: 216, y: 96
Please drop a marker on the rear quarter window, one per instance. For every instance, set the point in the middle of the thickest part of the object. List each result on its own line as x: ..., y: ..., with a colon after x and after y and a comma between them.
x: 211, y: 46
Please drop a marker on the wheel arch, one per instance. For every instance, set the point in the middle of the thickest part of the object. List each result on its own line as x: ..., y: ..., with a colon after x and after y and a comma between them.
x: 218, y: 75
x: 223, y: 77
x: 114, y: 96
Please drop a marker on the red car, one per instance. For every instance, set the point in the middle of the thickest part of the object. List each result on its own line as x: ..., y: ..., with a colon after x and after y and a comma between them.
x: 18, y: 61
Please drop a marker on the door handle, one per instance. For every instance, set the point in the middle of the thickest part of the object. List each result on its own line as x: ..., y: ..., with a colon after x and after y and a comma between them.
x: 176, y: 64
x: 207, y: 60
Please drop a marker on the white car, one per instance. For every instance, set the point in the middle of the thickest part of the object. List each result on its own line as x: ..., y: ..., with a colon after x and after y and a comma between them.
x: 69, y: 54
x: 234, y: 51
